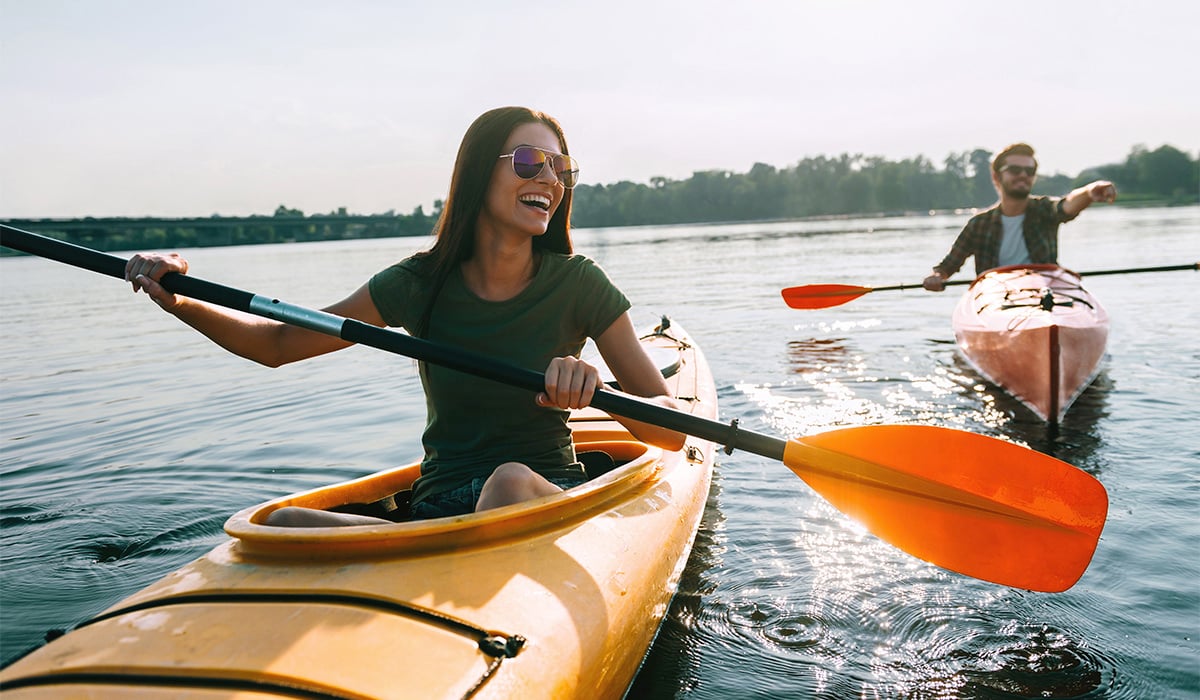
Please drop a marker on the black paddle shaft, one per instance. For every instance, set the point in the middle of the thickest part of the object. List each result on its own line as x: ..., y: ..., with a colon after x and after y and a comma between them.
x: 731, y: 436
x: 1093, y: 273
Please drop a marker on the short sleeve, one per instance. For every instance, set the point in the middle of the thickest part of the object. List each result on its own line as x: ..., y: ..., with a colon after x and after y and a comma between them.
x: 603, y: 303
x: 397, y: 292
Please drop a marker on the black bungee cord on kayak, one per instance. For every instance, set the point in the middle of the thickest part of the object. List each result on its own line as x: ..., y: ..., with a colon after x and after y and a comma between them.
x: 498, y: 646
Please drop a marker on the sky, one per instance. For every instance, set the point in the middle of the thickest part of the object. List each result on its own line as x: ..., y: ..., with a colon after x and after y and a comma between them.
x: 235, y: 107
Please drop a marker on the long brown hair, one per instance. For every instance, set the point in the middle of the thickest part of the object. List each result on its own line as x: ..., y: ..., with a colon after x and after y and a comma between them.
x: 481, y: 146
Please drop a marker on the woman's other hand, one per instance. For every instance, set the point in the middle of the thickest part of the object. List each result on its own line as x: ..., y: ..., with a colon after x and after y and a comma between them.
x: 570, y: 383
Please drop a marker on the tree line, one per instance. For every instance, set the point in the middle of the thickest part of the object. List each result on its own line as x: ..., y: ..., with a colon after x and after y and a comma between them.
x: 857, y: 184
x: 813, y: 187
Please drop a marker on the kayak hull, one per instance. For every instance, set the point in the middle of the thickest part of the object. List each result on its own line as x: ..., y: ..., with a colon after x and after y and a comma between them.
x: 1034, y: 331
x: 557, y: 597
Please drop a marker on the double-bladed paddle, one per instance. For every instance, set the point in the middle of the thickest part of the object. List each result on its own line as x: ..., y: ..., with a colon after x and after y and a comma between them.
x: 823, y: 296
x: 973, y: 504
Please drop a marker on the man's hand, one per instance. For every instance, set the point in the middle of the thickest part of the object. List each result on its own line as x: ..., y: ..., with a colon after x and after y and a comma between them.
x: 1102, y: 191
x: 934, y: 283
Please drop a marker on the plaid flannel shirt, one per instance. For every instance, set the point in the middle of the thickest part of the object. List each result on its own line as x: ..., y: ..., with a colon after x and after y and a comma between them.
x: 981, y: 237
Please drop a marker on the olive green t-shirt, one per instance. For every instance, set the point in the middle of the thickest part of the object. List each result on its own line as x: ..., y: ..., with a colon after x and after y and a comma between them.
x: 476, y: 424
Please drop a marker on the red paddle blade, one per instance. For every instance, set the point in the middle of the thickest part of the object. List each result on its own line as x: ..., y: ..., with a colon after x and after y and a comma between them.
x: 821, y: 296
x: 966, y: 502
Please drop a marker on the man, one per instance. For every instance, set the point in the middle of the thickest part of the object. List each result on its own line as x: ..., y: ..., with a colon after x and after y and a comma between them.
x: 1020, y: 229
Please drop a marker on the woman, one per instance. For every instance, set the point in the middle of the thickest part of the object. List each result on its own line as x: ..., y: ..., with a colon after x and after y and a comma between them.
x: 499, y: 280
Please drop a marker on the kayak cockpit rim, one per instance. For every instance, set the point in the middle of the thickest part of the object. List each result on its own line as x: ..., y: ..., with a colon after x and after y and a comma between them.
x: 640, y: 466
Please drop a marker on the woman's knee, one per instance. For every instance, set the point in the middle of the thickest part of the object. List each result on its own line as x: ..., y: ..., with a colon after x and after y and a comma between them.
x: 511, y: 475
x: 513, y: 482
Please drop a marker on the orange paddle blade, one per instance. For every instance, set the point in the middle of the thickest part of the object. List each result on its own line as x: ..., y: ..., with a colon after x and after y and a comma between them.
x: 966, y: 502
x: 821, y: 296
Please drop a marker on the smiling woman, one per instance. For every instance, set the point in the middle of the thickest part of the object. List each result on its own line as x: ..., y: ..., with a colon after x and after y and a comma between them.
x: 500, y: 279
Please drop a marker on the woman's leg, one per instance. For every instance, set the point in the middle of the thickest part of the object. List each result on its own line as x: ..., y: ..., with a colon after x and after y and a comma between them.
x: 294, y: 516
x: 513, y: 482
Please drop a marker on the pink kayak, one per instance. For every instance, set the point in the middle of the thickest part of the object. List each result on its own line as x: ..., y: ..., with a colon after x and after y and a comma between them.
x: 1034, y: 331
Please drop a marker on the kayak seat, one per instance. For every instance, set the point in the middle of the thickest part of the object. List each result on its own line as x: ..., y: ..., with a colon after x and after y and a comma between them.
x: 596, y: 463
x: 600, y: 457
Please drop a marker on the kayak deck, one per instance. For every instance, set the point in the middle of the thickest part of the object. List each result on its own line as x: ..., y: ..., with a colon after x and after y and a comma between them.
x: 1034, y: 331
x: 556, y: 597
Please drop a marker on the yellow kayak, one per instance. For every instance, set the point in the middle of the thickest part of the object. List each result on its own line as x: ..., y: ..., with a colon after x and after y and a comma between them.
x: 558, y: 597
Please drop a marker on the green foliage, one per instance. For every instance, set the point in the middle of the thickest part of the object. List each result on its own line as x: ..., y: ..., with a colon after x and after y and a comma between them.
x: 856, y: 184
x: 1165, y: 172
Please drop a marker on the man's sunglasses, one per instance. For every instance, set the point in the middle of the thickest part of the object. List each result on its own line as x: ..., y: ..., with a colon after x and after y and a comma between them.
x: 1029, y: 170
x: 528, y: 161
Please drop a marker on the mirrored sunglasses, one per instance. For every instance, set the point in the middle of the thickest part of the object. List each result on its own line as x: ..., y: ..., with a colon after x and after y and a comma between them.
x: 528, y: 161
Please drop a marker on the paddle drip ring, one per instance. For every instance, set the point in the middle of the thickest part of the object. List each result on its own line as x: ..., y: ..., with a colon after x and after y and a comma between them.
x: 731, y: 443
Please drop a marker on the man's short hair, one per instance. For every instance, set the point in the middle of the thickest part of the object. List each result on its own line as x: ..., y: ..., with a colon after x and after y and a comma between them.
x: 1016, y: 149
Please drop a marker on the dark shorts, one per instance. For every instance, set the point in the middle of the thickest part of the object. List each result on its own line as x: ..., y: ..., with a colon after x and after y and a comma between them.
x: 462, y: 500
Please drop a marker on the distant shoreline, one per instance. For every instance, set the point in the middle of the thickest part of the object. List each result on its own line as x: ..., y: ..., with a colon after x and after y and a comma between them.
x: 144, y: 233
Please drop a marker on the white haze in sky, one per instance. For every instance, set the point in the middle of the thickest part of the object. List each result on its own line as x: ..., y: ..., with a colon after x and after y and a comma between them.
x: 163, y: 108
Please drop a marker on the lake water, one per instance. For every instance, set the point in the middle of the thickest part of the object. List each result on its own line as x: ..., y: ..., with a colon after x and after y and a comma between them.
x: 128, y: 440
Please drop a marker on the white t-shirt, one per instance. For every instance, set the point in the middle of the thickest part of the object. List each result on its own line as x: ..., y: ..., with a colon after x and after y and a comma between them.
x: 1012, y: 244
